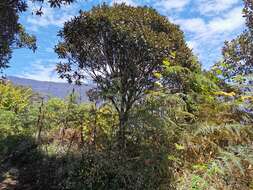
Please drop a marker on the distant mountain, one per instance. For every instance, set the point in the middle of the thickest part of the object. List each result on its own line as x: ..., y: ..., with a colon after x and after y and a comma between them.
x: 52, y: 89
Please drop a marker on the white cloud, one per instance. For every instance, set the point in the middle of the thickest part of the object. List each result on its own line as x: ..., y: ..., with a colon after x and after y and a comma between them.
x: 192, y: 44
x: 42, y: 71
x: 167, y: 5
x: 219, y: 25
x: 207, y: 36
x: 51, y: 17
x: 215, y: 6
x: 230, y: 22
x: 206, y: 23
x: 127, y: 2
x: 193, y: 25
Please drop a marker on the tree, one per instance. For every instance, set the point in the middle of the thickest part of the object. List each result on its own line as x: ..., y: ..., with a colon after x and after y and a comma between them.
x: 12, y: 33
x: 237, y: 64
x: 122, y: 49
x: 248, y: 13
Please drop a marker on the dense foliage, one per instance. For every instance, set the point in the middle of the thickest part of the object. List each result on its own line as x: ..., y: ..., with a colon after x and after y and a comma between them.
x: 236, y: 65
x: 167, y: 147
x: 122, y: 49
x: 12, y: 33
x: 184, y: 128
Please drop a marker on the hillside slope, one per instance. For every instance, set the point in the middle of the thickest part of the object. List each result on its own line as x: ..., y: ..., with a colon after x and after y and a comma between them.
x: 52, y: 89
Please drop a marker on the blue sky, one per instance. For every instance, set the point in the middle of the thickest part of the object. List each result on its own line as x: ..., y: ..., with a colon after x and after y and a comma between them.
x: 206, y: 24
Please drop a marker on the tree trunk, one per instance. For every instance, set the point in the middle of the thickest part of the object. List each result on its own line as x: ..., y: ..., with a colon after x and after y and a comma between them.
x: 122, y: 130
x: 39, y: 122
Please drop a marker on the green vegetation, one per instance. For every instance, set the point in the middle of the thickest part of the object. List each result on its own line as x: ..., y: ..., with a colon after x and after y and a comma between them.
x: 155, y: 121
x: 12, y: 33
x: 124, y: 60
x: 173, y: 141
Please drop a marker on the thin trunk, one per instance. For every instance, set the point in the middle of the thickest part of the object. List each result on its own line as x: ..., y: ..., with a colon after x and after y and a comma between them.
x: 122, y: 131
x: 71, y: 142
x: 39, y: 122
x: 81, y: 134
x: 95, y: 125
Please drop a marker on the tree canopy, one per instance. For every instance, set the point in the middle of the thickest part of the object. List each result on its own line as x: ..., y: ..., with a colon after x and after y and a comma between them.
x: 122, y: 49
x: 237, y: 64
x: 12, y: 33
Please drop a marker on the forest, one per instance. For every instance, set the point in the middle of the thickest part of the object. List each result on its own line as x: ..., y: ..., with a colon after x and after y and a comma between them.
x: 155, y: 119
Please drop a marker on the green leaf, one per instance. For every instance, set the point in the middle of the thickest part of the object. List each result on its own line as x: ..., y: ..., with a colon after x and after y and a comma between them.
x: 173, y: 54
x: 218, y: 71
x: 157, y: 75
x: 179, y: 146
x: 166, y: 63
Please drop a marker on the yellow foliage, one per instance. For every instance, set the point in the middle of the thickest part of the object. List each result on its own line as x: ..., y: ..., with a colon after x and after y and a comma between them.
x: 158, y: 84
x: 166, y: 63
x: 228, y: 94
x: 157, y: 75
x: 14, y: 98
x: 250, y: 98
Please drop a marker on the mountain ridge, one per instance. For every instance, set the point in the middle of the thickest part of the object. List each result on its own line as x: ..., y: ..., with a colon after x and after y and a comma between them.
x: 52, y: 89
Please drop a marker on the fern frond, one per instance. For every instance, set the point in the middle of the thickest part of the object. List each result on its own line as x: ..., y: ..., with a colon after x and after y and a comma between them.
x: 230, y: 160
x: 206, y: 130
